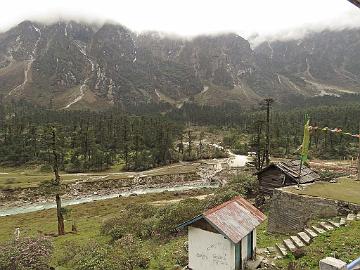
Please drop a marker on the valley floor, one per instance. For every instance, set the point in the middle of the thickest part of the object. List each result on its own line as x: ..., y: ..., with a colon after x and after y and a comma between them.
x: 169, y: 252
x: 88, y: 218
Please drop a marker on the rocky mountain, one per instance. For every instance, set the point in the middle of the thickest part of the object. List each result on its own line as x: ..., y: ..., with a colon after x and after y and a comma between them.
x: 326, y: 63
x: 68, y: 65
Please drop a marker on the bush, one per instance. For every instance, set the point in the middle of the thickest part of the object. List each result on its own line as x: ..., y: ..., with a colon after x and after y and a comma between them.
x: 90, y: 256
x: 327, y: 175
x: 125, y: 254
x: 132, y: 220
x: 168, y: 217
x: 244, y: 184
x: 25, y: 254
x: 144, y: 221
x: 221, y: 197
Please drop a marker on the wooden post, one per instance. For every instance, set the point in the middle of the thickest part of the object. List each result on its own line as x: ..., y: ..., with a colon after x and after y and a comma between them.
x: 358, y: 173
x: 60, y: 218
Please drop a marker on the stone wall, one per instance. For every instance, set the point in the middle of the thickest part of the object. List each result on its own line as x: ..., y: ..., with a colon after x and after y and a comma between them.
x: 289, y: 212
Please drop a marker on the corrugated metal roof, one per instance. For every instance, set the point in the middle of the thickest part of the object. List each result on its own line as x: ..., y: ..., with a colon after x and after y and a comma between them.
x: 234, y: 219
x: 292, y: 168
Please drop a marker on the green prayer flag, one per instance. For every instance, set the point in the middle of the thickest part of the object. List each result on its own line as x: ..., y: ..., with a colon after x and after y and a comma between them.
x: 306, y: 140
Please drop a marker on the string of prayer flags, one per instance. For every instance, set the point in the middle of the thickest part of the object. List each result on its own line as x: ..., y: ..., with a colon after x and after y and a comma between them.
x: 334, y: 130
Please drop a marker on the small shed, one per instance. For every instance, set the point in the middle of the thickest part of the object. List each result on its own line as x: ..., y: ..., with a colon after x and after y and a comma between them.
x: 224, y: 237
x: 282, y: 174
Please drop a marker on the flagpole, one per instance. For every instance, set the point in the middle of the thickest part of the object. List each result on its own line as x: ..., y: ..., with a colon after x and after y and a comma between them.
x: 305, y: 146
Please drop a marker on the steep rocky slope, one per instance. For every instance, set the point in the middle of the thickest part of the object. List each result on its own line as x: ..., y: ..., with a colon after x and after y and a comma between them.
x: 70, y: 65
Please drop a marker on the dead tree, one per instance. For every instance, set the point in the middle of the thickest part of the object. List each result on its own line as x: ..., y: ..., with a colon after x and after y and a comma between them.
x: 60, y: 218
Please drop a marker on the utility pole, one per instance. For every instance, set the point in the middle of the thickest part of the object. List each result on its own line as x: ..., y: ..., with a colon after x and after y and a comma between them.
x: 268, y: 102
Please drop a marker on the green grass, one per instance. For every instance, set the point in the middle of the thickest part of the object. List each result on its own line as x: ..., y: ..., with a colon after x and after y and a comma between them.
x: 89, y: 217
x: 265, y: 239
x: 345, y: 190
x: 23, y: 177
x: 173, y: 169
x: 17, y: 178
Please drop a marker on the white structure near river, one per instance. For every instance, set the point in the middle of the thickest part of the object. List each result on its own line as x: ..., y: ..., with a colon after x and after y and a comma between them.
x: 223, y: 238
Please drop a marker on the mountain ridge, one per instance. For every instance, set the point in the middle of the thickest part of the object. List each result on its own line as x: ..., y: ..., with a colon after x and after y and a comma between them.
x: 69, y: 65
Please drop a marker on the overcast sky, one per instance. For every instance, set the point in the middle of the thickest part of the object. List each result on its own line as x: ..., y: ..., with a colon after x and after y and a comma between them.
x: 192, y: 17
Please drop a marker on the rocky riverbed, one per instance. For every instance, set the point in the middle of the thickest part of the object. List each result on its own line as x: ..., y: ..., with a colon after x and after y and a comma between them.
x: 100, y: 187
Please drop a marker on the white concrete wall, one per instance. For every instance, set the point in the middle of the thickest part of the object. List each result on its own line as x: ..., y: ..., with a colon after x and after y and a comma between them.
x: 210, y: 251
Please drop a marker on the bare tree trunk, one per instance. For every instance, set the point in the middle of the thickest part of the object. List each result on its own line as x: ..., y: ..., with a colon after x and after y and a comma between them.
x: 55, y: 165
x: 259, y: 160
x: 61, y: 229
x: 268, y: 102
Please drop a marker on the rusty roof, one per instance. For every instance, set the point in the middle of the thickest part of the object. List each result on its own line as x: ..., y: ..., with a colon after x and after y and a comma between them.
x: 292, y: 169
x: 234, y: 219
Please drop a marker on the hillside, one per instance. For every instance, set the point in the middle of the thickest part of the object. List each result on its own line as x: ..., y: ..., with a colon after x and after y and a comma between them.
x: 68, y: 65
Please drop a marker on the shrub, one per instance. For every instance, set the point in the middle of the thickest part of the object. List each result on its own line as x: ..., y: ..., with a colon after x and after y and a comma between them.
x: 133, y: 219
x: 128, y: 253
x: 145, y: 221
x: 327, y: 175
x: 25, y: 254
x: 90, y: 256
x: 245, y: 183
x: 168, y: 217
x: 125, y: 254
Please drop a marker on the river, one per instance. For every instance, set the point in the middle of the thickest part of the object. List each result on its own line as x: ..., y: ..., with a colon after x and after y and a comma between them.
x: 238, y: 160
x: 234, y: 161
